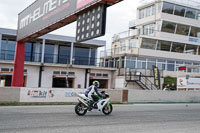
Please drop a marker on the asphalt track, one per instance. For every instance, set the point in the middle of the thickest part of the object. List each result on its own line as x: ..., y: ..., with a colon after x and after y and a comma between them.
x: 143, y: 118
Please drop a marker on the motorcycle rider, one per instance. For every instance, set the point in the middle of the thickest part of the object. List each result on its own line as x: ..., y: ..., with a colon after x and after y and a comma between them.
x: 90, y: 93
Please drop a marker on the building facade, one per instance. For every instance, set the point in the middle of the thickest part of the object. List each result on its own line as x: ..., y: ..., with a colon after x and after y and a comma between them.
x: 165, y: 33
x: 54, y: 61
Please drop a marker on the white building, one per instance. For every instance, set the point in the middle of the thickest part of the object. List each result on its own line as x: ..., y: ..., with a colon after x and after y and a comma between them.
x: 166, y: 33
x: 54, y: 61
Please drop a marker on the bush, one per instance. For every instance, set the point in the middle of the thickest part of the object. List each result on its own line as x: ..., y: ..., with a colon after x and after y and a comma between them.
x: 169, y: 80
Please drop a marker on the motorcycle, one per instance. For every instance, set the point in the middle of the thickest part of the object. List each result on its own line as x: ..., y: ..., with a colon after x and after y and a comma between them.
x: 102, y: 105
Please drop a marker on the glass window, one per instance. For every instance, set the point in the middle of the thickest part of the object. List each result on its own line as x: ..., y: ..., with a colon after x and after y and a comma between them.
x: 188, y: 68
x: 168, y: 8
x: 122, y: 45
x: 182, y: 29
x: 11, y: 50
x: 168, y: 27
x: 179, y: 10
x: 150, y: 63
x: 141, y: 14
x: 198, y: 15
x: 130, y: 63
x: 148, y: 43
x: 153, y: 10
x: 195, y: 32
x: 49, y: 53
x: 28, y: 51
x: 132, y: 44
x: 197, y: 68
x: 141, y: 63
x: 164, y: 45
x: 81, y: 56
x: 149, y: 29
x: 170, y: 65
x: 161, y: 64
x: 178, y: 47
x: 3, y: 49
x: 190, y: 13
x: 64, y: 54
x: 191, y: 49
x: 93, y: 56
x: 148, y: 11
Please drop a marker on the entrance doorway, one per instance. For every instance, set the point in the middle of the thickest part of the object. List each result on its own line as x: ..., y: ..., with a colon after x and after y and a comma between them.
x: 63, y: 82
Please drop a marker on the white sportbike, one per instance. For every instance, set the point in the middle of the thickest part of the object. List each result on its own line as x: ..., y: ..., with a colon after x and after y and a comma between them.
x: 103, y: 104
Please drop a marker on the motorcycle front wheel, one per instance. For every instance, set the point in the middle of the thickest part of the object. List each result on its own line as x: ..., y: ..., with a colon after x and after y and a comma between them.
x: 80, y: 109
x: 107, y: 109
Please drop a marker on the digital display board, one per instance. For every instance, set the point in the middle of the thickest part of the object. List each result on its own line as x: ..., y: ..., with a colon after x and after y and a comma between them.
x: 91, y: 24
x: 45, y: 13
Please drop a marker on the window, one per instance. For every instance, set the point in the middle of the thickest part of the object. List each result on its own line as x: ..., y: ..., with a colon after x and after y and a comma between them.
x: 168, y: 27
x: 191, y: 49
x: 37, y: 52
x: 179, y: 10
x: 28, y: 51
x: 190, y: 13
x: 141, y: 14
x: 195, y: 32
x: 148, y: 43
x: 149, y: 29
x: 182, y: 29
x: 146, y: 12
x: 56, y: 72
x: 93, y: 56
x: 198, y: 15
x: 132, y: 43
x: 161, y: 64
x: 164, y: 45
x: 170, y: 65
x: 49, y: 53
x: 141, y: 63
x: 188, y: 64
x: 122, y: 45
x: 168, y: 8
x: 150, y: 63
x: 81, y: 56
x: 131, y: 62
x: 64, y: 54
x: 11, y: 50
x: 178, y: 47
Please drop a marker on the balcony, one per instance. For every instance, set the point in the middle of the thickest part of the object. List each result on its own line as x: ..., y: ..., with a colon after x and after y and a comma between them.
x: 124, y: 34
x: 189, y: 3
x: 119, y: 51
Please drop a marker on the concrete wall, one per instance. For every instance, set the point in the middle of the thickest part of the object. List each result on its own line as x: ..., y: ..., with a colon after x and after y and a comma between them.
x: 9, y: 94
x: 163, y: 96
x: 62, y: 95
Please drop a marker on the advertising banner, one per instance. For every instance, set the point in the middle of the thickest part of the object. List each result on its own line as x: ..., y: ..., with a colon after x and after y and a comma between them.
x: 44, y: 13
x: 182, y: 82
x: 156, y: 74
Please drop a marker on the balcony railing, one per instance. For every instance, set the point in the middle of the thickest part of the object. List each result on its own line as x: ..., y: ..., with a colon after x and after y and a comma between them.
x: 119, y: 51
x: 191, y: 3
x: 53, y: 58
x: 124, y: 34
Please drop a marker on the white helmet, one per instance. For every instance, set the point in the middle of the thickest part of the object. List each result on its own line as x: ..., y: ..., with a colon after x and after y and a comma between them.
x: 96, y: 83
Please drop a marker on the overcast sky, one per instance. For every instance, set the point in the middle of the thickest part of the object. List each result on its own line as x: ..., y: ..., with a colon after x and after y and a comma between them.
x: 118, y: 17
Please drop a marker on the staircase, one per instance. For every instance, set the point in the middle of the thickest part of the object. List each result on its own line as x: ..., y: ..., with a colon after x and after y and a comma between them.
x: 140, y: 79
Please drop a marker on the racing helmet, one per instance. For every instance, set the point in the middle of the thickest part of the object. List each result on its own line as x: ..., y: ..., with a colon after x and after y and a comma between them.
x: 96, y: 83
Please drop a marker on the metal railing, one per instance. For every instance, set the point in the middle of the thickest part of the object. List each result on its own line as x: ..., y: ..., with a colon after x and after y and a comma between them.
x: 124, y: 34
x: 118, y: 51
x: 135, y: 76
x: 192, y: 3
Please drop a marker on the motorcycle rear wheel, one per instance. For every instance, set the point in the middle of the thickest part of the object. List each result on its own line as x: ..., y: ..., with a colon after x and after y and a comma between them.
x: 80, y: 109
x: 107, y: 109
